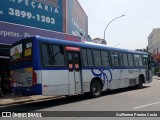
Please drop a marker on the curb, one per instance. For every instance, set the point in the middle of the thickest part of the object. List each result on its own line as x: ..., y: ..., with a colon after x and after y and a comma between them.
x: 20, y: 100
x: 155, y: 77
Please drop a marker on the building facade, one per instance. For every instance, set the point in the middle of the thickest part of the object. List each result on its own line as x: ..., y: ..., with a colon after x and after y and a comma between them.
x: 154, y: 41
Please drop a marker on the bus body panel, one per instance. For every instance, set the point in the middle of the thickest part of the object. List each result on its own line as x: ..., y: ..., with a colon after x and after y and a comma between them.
x: 55, y: 82
x: 127, y: 77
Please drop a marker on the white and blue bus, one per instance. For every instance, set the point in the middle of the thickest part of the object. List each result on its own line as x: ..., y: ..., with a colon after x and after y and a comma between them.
x: 46, y: 66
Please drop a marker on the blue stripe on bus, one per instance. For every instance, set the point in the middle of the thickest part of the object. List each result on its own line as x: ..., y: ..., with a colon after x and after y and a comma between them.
x: 102, y: 74
x: 36, y: 54
x: 86, y: 68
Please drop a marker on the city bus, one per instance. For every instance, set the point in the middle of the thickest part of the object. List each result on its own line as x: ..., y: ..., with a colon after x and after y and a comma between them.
x: 49, y: 66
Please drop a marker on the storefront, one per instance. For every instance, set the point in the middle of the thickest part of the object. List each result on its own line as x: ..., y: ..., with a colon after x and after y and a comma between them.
x: 4, y: 68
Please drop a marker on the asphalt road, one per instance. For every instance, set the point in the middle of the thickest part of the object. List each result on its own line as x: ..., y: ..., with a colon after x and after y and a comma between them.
x: 128, y: 99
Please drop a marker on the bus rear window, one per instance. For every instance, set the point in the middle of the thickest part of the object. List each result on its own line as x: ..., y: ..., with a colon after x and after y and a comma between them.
x: 21, y: 51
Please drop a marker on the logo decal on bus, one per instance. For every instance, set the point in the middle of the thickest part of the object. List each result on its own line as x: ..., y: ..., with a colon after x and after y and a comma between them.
x: 102, y: 74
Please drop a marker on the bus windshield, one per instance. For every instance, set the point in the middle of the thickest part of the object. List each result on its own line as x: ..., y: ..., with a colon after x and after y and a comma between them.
x: 21, y: 54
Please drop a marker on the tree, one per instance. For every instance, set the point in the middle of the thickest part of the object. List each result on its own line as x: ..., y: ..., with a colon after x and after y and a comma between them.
x: 156, y: 57
x: 144, y: 50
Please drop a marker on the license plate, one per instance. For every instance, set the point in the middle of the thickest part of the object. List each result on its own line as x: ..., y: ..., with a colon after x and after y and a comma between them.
x: 19, y: 84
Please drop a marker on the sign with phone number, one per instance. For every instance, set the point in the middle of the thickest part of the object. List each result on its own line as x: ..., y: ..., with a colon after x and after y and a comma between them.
x: 45, y: 14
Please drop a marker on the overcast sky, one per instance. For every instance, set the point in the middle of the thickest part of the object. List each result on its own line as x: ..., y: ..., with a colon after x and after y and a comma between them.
x: 131, y: 31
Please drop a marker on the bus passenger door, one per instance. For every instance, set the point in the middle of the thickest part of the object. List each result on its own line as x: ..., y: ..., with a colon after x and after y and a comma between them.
x: 74, y: 73
x: 147, y: 67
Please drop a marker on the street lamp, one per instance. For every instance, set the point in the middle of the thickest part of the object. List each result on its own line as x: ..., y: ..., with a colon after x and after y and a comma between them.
x: 104, y: 41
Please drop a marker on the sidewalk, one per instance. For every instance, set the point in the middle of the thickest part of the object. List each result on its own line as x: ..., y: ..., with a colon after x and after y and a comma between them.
x: 156, y: 77
x: 9, y: 99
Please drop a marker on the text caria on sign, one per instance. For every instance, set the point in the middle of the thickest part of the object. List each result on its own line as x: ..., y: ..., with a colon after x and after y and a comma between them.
x: 38, y: 5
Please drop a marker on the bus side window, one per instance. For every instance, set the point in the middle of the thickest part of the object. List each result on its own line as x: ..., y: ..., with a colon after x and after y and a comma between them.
x: 140, y: 61
x: 115, y: 58
x: 97, y: 58
x: 84, y: 57
x: 130, y: 60
x: 120, y: 60
x: 105, y: 58
x: 136, y: 61
x: 125, y: 59
x: 52, y: 55
x: 87, y: 57
x: 90, y: 57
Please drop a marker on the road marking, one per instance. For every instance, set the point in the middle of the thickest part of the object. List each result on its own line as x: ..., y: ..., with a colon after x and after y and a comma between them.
x: 146, y: 105
x: 92, y: 101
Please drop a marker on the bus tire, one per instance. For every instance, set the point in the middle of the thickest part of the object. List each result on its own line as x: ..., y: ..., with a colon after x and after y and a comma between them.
x: 95, y: 88
x: 140, y: 83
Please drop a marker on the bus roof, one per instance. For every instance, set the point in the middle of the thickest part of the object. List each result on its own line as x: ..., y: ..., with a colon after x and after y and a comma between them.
x: 86, y: 45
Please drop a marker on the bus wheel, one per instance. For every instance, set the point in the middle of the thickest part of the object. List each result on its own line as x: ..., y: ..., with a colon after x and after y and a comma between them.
x: 95, y: 88
x: 140, y: 83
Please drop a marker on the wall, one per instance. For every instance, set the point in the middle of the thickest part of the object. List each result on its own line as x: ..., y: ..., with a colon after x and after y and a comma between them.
x: 154, y: 41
